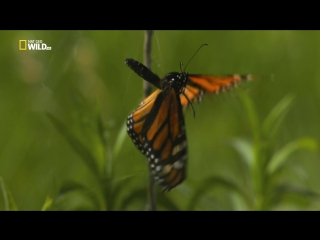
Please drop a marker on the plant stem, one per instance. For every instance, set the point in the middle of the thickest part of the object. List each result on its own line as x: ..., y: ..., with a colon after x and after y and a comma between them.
x: 147, y: 91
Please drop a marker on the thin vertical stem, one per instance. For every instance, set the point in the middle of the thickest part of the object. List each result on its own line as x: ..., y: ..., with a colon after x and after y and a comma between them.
x: 147, y: 91
x: 147, y: 60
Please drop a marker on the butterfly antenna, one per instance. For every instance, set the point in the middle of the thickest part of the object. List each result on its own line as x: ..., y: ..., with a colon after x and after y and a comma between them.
x: 193, y: 56
x: 181, y: 66
x: 194, y: 113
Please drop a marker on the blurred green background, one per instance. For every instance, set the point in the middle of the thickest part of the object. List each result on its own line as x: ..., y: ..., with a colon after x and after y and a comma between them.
x: 63, y: 144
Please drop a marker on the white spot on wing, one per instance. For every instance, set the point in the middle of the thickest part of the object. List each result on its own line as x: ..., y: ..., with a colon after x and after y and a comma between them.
x: 178, y: 148
x: 166, y: 169
x: 178, y: 165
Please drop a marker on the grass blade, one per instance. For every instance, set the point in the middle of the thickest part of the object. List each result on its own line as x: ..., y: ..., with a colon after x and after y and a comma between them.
x: 77, y: 146
x: 276, y: 116
x: 281, y: 156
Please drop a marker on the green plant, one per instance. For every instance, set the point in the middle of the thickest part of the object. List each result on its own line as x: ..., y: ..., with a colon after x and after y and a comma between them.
x: 265, y: 165
x: 99, y: 160
x: 9, y: 203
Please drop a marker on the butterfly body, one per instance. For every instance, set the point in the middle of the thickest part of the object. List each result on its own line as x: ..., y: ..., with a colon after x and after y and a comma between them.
x: 173, y: 80
x: 157, y: 126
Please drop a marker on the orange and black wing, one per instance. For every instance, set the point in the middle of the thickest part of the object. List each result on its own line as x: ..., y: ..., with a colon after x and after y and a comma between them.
x: 136, y: 120
x: 157, y: 128
x: 198, y: 85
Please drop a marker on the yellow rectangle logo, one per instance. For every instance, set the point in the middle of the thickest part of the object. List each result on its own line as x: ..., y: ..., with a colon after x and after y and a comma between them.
x: 22, y: 44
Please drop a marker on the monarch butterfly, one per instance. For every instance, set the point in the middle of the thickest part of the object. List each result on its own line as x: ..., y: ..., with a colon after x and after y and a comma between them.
x: 157, y: 126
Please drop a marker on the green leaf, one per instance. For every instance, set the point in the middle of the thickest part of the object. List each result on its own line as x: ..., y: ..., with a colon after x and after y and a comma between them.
x: 120, y: 139
x: 77, y: 145
x: 213, y: 182
x: 76, y: 200
x: 71, y: 186
x: 84, y: 198
x: 167, y: 203
x: 139, y: 194
x: 252, y: 115
x: 281, y: 156
x: 9, y: 203
x: 114, y: 188
x: 296, y: 195
x: 5, y: 195
x: 12, y: 203
x: 47, y: 204
x: 101, y: 128
x: 276, y: 116
x: 244, y: 148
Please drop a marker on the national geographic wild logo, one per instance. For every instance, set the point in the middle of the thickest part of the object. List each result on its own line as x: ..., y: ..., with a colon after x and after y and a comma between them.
x: 37, y: 45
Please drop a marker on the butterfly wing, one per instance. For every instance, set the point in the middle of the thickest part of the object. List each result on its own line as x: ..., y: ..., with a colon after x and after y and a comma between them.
x: 198, y: 85
x: 136, y: 120
x: 158, y: 130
